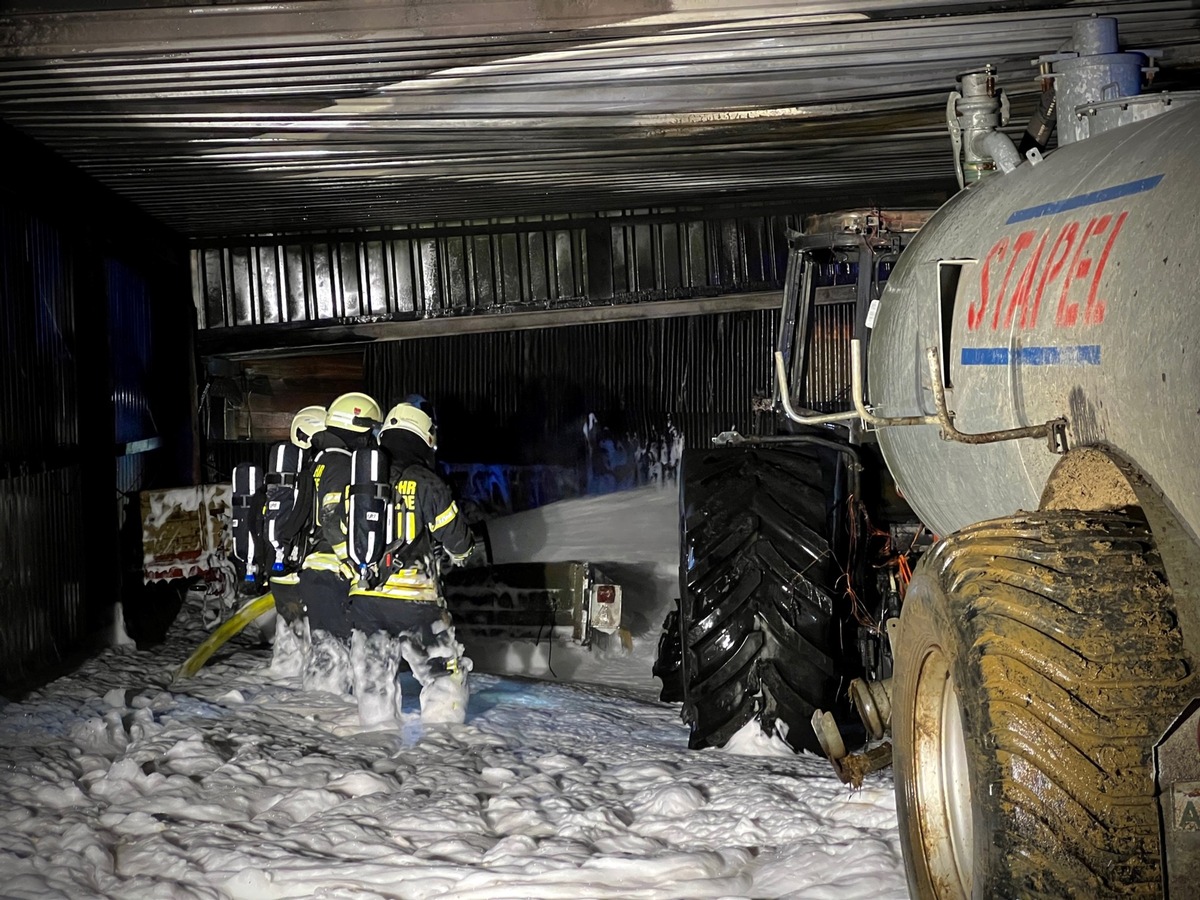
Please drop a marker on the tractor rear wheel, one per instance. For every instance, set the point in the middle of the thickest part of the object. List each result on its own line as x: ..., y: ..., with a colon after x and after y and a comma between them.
x: 760, y: 615
x: 668, y: 664
x: 1038, y: 660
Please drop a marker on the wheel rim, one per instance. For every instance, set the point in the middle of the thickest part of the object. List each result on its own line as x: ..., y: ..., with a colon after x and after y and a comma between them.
x: 943, y: 788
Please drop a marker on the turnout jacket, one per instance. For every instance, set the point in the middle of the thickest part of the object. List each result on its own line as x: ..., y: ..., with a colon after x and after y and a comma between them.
x: 426, y: 511
x: 331, y: 477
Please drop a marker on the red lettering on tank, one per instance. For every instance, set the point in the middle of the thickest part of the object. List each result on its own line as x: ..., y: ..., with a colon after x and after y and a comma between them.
x: 1054, y: 265
x: 1070, y: 262
x: 1093, y: 313
x: 1020, y: 296
x: 1081, y: 265
x: 1022, y: 243
x: 976, y: 310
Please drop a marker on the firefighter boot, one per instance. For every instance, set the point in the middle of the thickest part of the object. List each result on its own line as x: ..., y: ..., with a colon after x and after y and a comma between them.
x: 442, y: 671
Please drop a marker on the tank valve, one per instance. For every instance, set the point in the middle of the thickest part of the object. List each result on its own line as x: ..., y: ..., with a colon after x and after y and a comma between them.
x: 975, y: 117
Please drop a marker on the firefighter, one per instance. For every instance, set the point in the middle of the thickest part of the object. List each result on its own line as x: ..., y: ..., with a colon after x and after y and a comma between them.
x: 405, y: 597
x: 325, y: 575
x: 427, y: 515
x: 285, y: 586
x: 306, y: 424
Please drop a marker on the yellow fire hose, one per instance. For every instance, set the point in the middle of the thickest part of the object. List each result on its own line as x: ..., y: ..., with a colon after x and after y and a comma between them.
x: 231, y: 626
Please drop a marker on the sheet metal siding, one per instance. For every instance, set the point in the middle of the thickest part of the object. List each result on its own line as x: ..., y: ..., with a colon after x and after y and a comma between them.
x: 41, y: 579
x: 41, y: 516
x: 525, y: 396
x: 494, y: 267
x: 39, y: 401
x: 261, y: 118
x: 827, y: 371
x: 129, y: 325
x: 129, y: 336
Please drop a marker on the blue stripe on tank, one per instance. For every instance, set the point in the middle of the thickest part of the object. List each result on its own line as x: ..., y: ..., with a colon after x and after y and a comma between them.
x: 1079, y: 200
x: 1078, y: 355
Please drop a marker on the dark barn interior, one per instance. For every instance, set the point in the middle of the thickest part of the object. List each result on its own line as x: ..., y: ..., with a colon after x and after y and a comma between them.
x: 551, y: 219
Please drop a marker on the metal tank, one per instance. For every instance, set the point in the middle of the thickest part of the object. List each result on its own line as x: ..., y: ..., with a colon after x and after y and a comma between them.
x: 1065, y: 289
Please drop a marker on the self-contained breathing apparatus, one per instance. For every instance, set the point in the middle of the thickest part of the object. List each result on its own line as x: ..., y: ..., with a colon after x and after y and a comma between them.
x: 377, y: 542
x: 369, y: 515
x: 246, y: 514
x: 271, y: 515
x: 287, y: 508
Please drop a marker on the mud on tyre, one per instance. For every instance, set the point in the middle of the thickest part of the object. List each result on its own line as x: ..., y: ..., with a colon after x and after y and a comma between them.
x: 760, y: 612
x: 1038, y: 660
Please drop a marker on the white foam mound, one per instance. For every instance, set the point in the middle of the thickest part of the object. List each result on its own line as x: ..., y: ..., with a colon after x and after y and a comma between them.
x: 751, y: 740
x: 640, y: 525
x: 116, y: 782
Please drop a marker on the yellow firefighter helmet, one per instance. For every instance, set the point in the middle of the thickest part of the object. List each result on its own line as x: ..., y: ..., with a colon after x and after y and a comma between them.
x: 354, y: 412
x: 411, y: 418
x: 307, y: 423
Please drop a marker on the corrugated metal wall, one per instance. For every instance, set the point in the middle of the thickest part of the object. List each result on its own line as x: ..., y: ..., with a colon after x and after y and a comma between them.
x: 38, y: 316
x: 533, y: 416
x: 500, y: 266
x: 525, y: 396
x: 95, y: 403
x: 41, y: 519
x: 129, y: 326
x: 827, y: 370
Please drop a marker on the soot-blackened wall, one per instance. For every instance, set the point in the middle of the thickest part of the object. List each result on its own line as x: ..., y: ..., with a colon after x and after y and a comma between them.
x: 96, y: 402
x: 586, y: 399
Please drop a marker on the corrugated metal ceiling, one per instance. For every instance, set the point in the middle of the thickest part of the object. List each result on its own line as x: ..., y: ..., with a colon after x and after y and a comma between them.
x: 233, y: 118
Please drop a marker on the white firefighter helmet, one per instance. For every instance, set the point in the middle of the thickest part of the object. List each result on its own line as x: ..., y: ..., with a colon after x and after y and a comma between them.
x: 307, y: 423
x: 411, y: 418
x: 353, y: 412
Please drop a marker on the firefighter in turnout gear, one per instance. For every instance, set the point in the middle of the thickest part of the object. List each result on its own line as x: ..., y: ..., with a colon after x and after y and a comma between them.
x: 403, y: 596
x: 325, y: 575
x: 306, y: 424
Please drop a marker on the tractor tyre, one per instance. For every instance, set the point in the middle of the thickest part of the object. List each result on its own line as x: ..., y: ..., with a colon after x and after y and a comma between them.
x: 1038, y: 660
x: 760, y: 621
x: 668, y: 663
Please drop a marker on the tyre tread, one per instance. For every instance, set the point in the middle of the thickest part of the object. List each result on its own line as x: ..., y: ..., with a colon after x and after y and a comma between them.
x: 757, y: 608
x: 1072, y: 643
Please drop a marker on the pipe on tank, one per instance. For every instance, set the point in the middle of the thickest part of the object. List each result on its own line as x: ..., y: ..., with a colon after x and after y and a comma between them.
x: 1054, y: 431
x: 860, y: 411
x: 979, y: 109
x: 856, y: 389
x: 785, y: 400
x: 1000, y: 148
x: 1095, y: 36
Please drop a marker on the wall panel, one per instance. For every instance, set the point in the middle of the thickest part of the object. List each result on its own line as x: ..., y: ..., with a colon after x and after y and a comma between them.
x: 95, y: 404
x: 526, y: 396
x: 499, y: 266
x: 41, y: 520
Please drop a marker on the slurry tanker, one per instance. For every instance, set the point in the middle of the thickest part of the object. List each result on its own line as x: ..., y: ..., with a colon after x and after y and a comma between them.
x: 1022, y: 420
